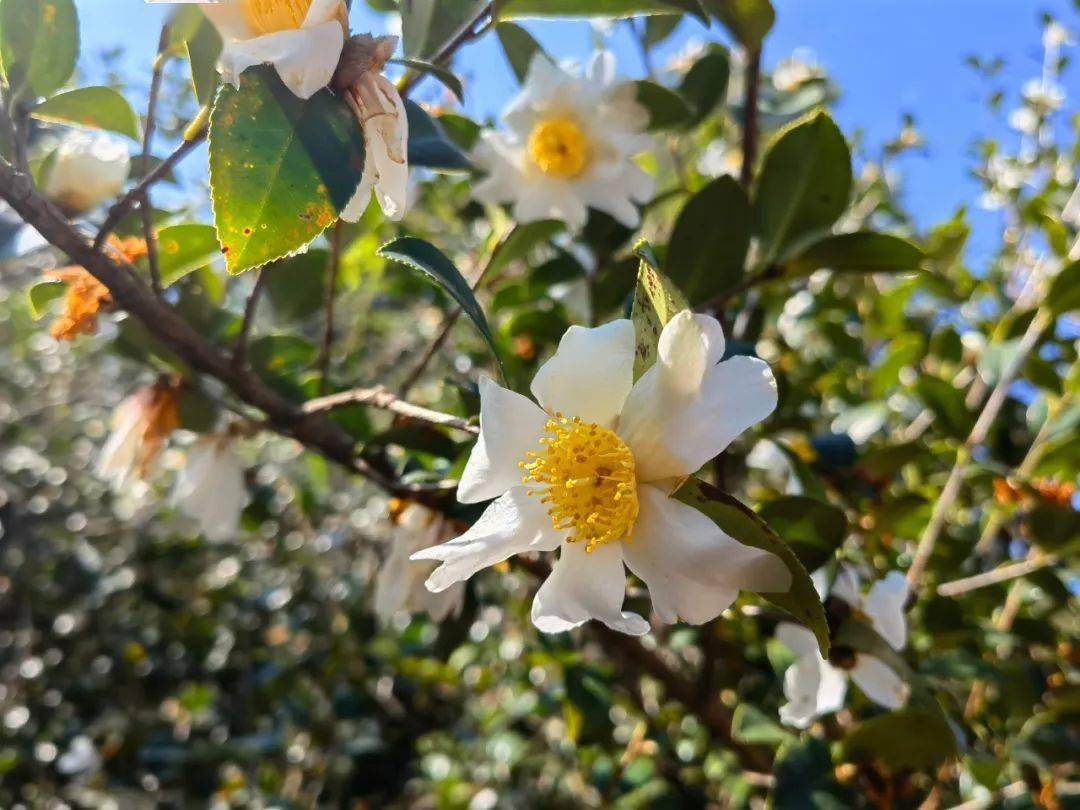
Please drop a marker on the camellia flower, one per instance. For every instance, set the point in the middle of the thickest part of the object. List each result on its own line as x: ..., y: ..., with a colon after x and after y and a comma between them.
x: 814, y: 686
x: 141, y: 424
x: 378, y: 107
x: 302, y: 39
x: 86, y: 170
x: 399, y: 585
x: 569, y: 146
x: 210, y: 487
x: 590, y: 471
x: 86, y: 296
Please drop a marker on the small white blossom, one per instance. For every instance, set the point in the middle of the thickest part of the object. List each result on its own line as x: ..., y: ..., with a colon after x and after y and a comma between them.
x: 80, y: 759
x: 210, y: 487
x: 141, y: 424
x: 399, y: 585
x: 590, y: 471
x: 814, y: 686
x: 86, y: 170
x: 302, y: 39
x: 568, y: 147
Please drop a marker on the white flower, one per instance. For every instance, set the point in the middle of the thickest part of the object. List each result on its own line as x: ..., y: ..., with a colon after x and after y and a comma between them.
x: 768, y: 457
x: 140, y: 426
x: 814, y: 686
x: 86, y: 170
x: 399, y: 585
x: 81, y: 757
x: 378, y: 107
x: 210, y: 487
x: 590, y: 470
x: 302, y: 39
x: 569, y: 147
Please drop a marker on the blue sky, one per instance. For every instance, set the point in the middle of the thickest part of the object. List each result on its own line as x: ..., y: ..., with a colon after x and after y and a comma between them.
x: 888, y: 57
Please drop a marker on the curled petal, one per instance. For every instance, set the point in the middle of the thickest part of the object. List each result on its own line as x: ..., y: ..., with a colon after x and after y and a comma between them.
x: 879, y: 682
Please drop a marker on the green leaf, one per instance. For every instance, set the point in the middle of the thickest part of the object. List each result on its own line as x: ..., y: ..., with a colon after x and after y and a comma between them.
x: 510, y: 9
x: 198, y: 412
x: 203, y: 47
x: 277, y: 358
x: 705, y: 85
x: 656, y: 301
x: 859, y: 252
x: 659, y: 27
x: 916, y: 737
x: 708, y: 247
x: 814, y: 529
x: 40, y: 295
x: 448, y: 79
x: 281, y: 168
x: 296, y: 286
x: 804, y: 778
x: 428, y: 259
x: 667, y: 109
x: 1064, y: 293
x: 427, y: 26
x: 747, y: 20
x: 183, y: 249
x: 519, y: 46
x: 747, y: 527
x: 752, y: 726
x: 947, y: 403
x: 39, y: 44
x: 804, y: 184
x: 94, y: 107
x: 429, y: 146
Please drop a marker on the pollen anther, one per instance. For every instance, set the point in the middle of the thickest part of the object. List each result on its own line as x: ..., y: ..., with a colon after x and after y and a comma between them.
x: 585, y: 475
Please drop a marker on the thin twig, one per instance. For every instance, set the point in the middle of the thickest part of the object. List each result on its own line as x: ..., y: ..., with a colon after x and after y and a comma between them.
x: 997, y: 576
x: 239, y: 358
x: 333, y: 262
x: 382, y: 398
x: 468, y: 33
x: 144, y: 159
x: 978, y: 434
x: 123, y: 206
x: 750, y: 116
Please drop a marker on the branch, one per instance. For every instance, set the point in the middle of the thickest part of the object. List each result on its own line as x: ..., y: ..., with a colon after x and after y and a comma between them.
x: 468, y: 33
x: 978, y: 434
x: 333, y: 263
x: 145, y: 207
x: 380, y: 397
x: 997, y: 576
x: 750, y: 115
x: 130, y: 293
x: 239, y: 358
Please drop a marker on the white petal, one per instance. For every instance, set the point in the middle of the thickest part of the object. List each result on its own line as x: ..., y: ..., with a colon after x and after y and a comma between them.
x: 601, y: 68
x: 321, y: 11
x: 590, y: 373
x: 885, y: 607
x: 393, y: 581
x: 386, y: 132
x: 359, y: 202
x: 230, y: 18
x: 879, y: 682
x: 513, y: 524
x: 305, y: 58
x: 693, y: 570
x: 796, y: 638
x: 813, y: 687
x: 685, y: 410
x: 847, y: 586
x: 586, y: 585
x: 510, y: 426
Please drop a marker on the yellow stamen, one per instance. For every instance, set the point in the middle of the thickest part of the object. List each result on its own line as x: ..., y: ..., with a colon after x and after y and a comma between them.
x: 586, y: 477
x: 268, y: 16
x: 559, y: 147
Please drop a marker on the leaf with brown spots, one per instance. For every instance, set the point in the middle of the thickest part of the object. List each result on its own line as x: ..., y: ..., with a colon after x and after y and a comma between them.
x: 656, y: 301
x: 281, y: 168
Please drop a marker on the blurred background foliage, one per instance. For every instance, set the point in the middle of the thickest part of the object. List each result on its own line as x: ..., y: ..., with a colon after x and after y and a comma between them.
x: 144, y: 665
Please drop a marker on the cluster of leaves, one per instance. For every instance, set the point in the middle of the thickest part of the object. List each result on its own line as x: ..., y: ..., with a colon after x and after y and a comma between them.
x: 253, y: 672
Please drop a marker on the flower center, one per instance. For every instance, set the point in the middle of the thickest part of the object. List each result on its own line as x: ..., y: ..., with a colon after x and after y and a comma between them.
x: 268, y: 16
x: 559, y: 147
x: 586, y: 477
